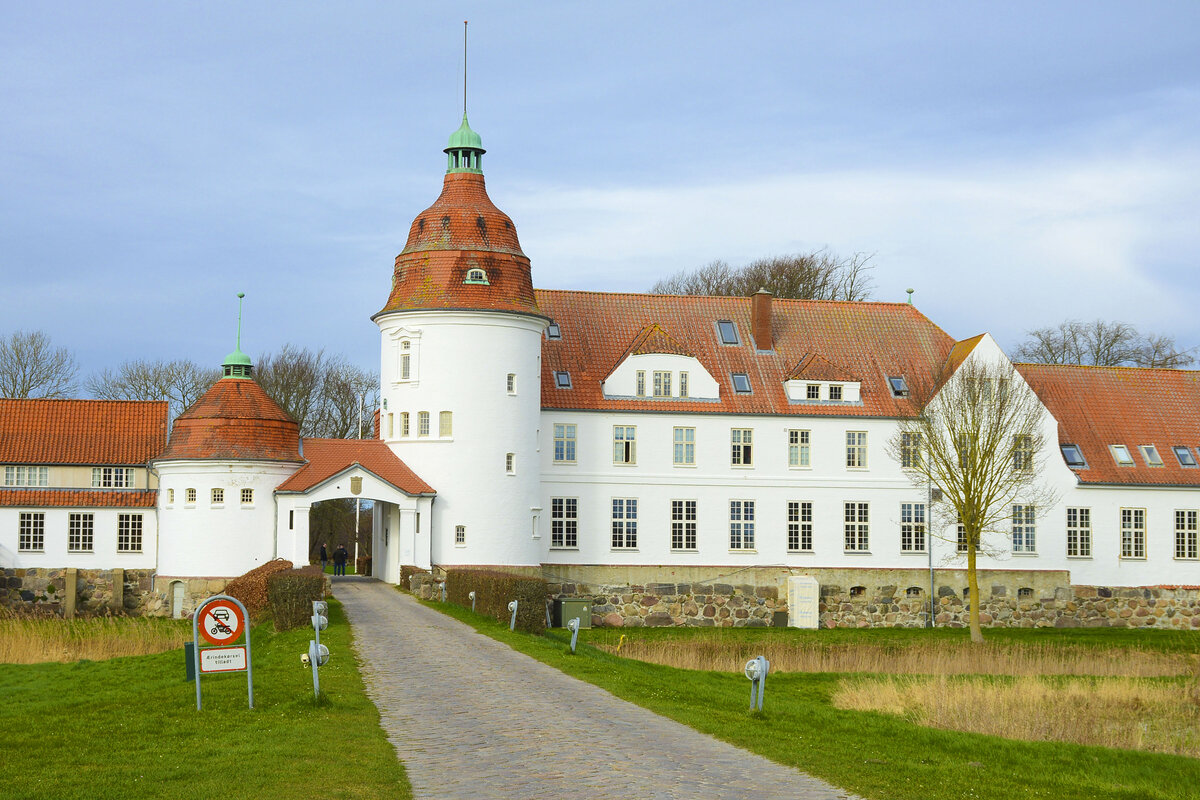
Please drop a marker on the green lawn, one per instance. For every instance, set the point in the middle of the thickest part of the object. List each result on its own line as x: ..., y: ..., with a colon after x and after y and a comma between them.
x: 129, y: 728
x: 875, y: 755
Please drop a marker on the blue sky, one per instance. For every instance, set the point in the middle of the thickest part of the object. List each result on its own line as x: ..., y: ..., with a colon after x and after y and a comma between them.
x: 1017, y: 163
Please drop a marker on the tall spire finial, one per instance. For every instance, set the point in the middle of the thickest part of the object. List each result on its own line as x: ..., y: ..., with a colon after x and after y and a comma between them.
x: 237, y: 363
x: 239, y: 333
x: 464, y: 68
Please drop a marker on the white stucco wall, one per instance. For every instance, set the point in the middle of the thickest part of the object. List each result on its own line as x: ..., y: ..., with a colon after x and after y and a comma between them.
x: 623, y: 380
x: 104, y: 554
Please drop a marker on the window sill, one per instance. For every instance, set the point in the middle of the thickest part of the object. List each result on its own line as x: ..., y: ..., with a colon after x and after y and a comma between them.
x: 856, y: 552
x: 684, y: 466
x: 800, y: 552
x: 217, y: 505
x: 564, y: 547
x: 129, y: 552
x: 914, y: 552
x: 746, y: 550
x: 857, y: 469
x: 34, y: 552
x: 684, y: 550
x: 623, y: 549
x: 1080, y: 558
x: 1133, y: 558
x: 741, y: 466
x: 800, y: 468
x: 1186, y: 558
x: 624, y: 463
x: 1025, y: 554
x: 565, y: 463
x: 81, y: 552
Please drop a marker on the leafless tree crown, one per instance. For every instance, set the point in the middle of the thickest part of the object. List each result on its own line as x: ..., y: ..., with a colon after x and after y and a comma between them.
x: 180, y: 383
x: 32, y: 367
x: 1103, y: 344
x: 804, y: 276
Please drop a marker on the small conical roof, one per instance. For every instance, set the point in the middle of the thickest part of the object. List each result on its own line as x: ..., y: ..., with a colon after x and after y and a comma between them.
x: 465, y: 137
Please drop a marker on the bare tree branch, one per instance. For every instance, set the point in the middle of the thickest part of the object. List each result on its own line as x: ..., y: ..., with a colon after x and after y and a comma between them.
x: 1103, y: 344
x: 807, y: 276
x: 32, y: 367
x: 180, y: 383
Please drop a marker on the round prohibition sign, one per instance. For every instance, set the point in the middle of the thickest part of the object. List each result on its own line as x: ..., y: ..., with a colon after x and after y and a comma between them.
x: 221, y: 622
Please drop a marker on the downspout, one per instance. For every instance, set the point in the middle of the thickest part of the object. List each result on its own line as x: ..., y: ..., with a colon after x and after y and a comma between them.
x: 929, y: 523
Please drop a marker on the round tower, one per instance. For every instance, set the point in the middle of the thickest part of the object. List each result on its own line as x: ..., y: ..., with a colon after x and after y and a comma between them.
x: 460, y: 370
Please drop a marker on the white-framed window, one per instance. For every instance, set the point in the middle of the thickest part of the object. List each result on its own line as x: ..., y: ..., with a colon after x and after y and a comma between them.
x: 662, y: 383
x: 460, y: 535
x: 683, y: 384
x: 1022, y: 452
x: 1150, y: 454
x: 476, y: 275
x: 741, y: 444
x: 510, y: 383
x: 835, y: 391
x: 683, y: 524
x: 190, y: 496
x: 564, y: 443
x: 404, y: 429
x: 1079, y: 532
x: 1121, y: 455
x: 684, y: 447
x: 170, y: 497
x: 247, y: 497
x: 80, y: 532
x: 129, y: 533
x: 812, y: 391
x: 856, y: 449
x: 406, y: 359
x: 640, y: 383
x: 857, y: 527
x: 445, y: 423
x: 26, y: 476
x: 624, y: 444
x: 218, y: 496
x: 910, y: 450
x: 741, y: 524
x: 112, y: 477
x: 510, y: 463
x: 422, y: 423
x: 564, y: 522
x: 960, y: 544
x: 1185, y: 534
x: 912, y: 527
x: 390, y: 429
x: 1023, y: 529
x: 31, y: 531
x: 799, y: 526
x: 624, y: 523
x: 799, y: 449
x: 1133, y: 533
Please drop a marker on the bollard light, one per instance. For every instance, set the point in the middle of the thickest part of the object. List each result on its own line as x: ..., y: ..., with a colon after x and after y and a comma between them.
x: 320, y: 607
x: 443, y: 591
x: 756, y: 670
x: 573, y: 627
x: 318, y: 654
x: 512, y: 625
x: 471, y: 595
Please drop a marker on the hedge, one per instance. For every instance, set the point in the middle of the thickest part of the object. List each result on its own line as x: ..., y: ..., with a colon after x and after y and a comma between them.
x: 495, y: 590
x: 291, y: 594
x: 406, y: 572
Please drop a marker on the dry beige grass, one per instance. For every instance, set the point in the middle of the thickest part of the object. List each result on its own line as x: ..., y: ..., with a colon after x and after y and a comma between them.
x: 934, y: 658
x: 31, y: 640
x: 1112, y: 712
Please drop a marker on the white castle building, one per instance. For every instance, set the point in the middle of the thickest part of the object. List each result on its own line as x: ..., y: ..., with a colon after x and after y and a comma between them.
x: 615, y: 440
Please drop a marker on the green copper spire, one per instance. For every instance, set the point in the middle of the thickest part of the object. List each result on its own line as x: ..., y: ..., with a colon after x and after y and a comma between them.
x: 464, y: 151
x: 237, y: 363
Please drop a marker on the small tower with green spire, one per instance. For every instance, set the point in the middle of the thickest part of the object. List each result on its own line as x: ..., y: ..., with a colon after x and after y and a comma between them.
x: 465, y: 150
x: 237, y: 364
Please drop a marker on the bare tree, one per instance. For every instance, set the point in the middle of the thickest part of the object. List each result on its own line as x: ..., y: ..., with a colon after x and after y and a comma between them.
x: 180, y: 383
x: 806, y: 276
x: 980, y: 439
x: 32, y: 367
x: 325, y: 394
x: 1103, y: 344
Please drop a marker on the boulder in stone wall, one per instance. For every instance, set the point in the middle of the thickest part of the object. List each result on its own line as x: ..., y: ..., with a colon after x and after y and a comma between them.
x: 710, y: 611
x: 633, y: 622
x: 722, y: 588
x: 613, y: 620
x: 659, y: 619
x: 690, y: 609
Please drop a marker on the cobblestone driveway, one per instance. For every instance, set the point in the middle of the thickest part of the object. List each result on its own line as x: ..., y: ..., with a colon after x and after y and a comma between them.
x: 472, y: 718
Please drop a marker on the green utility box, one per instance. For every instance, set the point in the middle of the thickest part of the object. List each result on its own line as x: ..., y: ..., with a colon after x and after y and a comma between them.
x: 566, y: 610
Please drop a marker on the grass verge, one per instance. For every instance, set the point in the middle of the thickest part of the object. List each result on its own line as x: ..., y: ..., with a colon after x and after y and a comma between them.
x: 876, y: 755
x: 129, y: 728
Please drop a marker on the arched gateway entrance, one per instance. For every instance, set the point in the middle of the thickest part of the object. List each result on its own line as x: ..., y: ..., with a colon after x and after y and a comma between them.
x: 363, y: 469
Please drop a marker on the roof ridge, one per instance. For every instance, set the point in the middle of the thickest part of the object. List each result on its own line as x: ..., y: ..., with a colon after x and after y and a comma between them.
x: 1172, y: 370
x: 73, y: 400
x: 747, y: 297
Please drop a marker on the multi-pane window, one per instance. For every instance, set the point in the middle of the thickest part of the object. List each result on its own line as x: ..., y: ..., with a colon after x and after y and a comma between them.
x: 624, y: 522
x: 170, y: 496
x: 564, y: 443
x: 80, y: 529
x: 683, y: 524
x: 912, y: 527
x: 960, y: 542
x: 684, y: 454
x: 460, y: 534
x: 812, y: 391
x: 624, y: 444
x: 112, y: 477
x: 1023, y: 532
x: 26, y: 476
x: 31, y: 531
x: 1133, y: 533
x: 835, y: 392
x: 799, y: 450
x: 857, y: 527
x: 422, y: 423
x: 910, y: 450
x: 683, y: 384
x: 404, y: 423
x: 640, y: 383
x: 190, y: 495
x: 218, y: 496
x: 1079, y: 532
x: 510, y: 383
x: 564, y: 522
x: 799, y: 527
x: 129, y: 533
x: 405, y: 360
x: 247, y: 497
x: 1022, y: 452
x: 510, y: 463
x: 741, y: 442
x: 445, y: 423
x: 856, y: 449
x: 741, y: 524
x: 1185, y: 534
x: 662, y: 384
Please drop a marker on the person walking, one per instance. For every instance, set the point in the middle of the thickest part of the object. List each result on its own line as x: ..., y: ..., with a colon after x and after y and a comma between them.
x: 339, y: 560
x: 324, y: 556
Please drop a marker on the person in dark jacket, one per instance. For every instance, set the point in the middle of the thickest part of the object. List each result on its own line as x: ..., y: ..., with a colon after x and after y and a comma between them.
x: 324, y: 556
x: 339, y: 560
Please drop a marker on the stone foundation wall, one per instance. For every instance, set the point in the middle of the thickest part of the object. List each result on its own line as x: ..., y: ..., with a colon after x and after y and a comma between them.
x: 158, y: 601
x: 121, y: 591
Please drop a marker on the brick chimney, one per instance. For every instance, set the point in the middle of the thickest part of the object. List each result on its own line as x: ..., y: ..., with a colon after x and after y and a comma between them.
x: 760, y: 319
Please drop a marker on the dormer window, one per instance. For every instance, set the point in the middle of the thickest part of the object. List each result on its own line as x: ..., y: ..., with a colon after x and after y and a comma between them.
x: 835, y: 392
x: 899, y: 386
x: 553, y: 331
x: 683, y: 384
x: 741, y: 382
x: 1121, y: 455
x: 727, y: 332
x: 812, y: 391
x: 662, y: 384
x: 562, y: 380
x: 1073, y: 456
x: 476, y: 275
x: 1186, y: 459
x: 1150, y: 454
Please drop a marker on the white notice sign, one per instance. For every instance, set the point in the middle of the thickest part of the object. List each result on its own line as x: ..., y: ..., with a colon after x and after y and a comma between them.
x: 223, y: 659
x: 804, y: 598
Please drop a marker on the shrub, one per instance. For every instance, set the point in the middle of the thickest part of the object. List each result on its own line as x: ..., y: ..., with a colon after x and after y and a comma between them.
x: 495, y: 590
x: 291, y: 594
x: 251, y: 588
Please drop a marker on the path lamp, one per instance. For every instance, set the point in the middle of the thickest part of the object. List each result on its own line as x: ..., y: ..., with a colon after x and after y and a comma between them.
x: 512, y: 625
x: 318, y: 653
x: 756, y: 670
x: 573, y: 627
x: 471, y: 595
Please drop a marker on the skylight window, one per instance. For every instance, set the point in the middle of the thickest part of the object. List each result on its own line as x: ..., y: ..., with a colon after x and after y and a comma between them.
x: 1121, y: 453
x: 728, y: 332
x: 553, y: 331
x: 476, y: 275
x: 899, y: 386
x: 562, y: 380
x: 1186, y: 459
x: 1150, y: 453
x: 741, y: 382
x: 1073, y: 456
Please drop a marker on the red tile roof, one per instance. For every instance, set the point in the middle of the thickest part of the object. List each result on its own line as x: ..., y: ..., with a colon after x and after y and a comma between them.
x: 653, y: 339
x: 870, y: 341
x: 122, y: 432
x: 78, y: 498
x: 1099, y: 406
x: 328, y: 457
x: 462, y: 230
x: 815, y: 368
x: 235, y: 419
